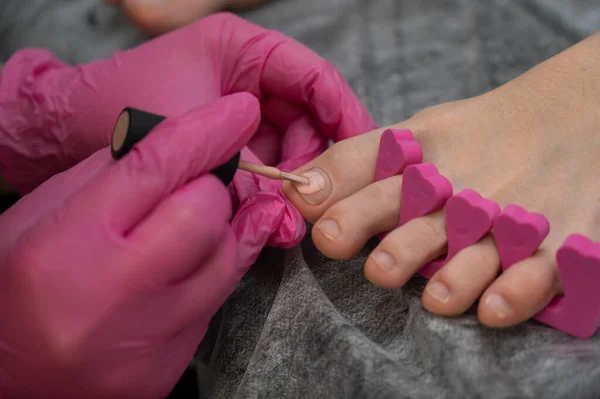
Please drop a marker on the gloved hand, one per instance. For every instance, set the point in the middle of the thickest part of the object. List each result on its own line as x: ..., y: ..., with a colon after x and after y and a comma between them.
x: 111, y: 271
x: 53, y: 115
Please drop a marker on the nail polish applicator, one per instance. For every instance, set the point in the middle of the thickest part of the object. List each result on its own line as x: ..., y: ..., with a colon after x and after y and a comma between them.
x: 134, y: 124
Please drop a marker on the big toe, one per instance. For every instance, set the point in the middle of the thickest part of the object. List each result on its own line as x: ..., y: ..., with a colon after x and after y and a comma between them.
x: 342, y: 170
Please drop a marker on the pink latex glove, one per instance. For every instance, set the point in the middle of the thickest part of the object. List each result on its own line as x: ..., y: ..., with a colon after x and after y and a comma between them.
x: 111, y: 271
x: 53, y: 115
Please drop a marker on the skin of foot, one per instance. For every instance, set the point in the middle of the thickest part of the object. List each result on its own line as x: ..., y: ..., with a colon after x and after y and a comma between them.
x: 534, y: 142
x: 156, y: 17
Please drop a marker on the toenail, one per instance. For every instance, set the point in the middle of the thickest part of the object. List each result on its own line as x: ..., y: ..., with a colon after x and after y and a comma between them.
x: 383, y: 260
x: 317, y: 183
x: 318, y: 189
x: 439, y: 291
x: 498, y: 305
x: 329, y: 228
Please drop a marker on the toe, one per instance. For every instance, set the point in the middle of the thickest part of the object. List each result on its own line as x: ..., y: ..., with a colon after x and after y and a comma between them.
x: 344, y: 169
x: 520, y: 292
x: 347, y: 226
x: 459, y: 283
x: 405, y: 250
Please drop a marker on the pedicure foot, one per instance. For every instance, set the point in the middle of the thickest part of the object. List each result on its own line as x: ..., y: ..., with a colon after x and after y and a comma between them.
x: 517, y: 233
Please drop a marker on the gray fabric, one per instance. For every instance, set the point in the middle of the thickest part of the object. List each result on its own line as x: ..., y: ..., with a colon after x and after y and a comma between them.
x: 76, y: 30
x: 303, y: 326
x: 300, y: 325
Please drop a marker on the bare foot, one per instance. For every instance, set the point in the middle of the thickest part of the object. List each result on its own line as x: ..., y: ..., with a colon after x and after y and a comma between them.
x: 160, y: 16
x: 534, y: 142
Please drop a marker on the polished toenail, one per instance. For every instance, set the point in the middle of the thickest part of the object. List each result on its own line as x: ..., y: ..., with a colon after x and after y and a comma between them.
x: 383, y: 260
x: 439, y: 291
x: 329, y: 228
x: 318, y: 189
x: 498, y: 305
x: 317, y: 183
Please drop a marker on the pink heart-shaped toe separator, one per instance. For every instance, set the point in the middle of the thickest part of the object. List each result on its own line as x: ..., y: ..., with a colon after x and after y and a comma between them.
x: 424, y: 190
x: 397, y: 150
x: 518, y: 234
x: 578, y: 311
x: 469, y: 217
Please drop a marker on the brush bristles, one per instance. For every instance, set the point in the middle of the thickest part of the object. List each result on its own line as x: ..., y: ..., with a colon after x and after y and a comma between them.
x: 295, y: 178
x: 271, y: 172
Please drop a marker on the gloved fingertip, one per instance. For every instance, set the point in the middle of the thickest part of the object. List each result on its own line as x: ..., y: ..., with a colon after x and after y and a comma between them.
x: 246, y: 102
x: 239, y: 110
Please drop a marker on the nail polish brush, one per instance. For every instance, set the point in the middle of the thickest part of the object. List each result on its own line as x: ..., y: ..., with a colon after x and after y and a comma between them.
x: 271, y: 172
x: 133, y: 125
